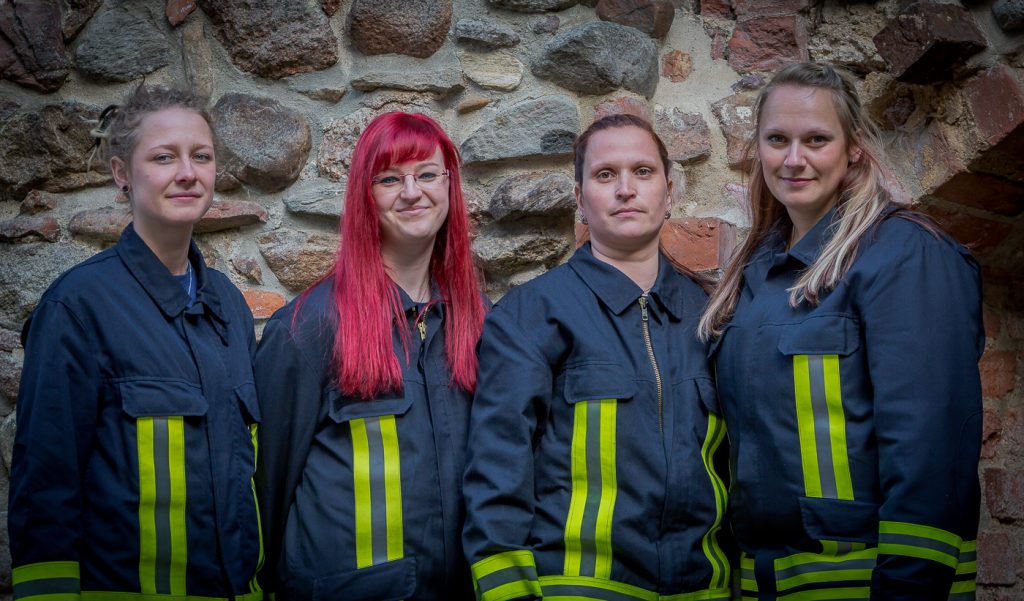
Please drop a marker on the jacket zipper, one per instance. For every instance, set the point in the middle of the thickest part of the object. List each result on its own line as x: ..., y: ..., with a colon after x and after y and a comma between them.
x: 650, y: 355
x: 421, y: 325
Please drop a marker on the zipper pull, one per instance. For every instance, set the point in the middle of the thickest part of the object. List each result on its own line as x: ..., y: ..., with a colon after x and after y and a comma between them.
x: 422, y: 326
x: 643, y: 307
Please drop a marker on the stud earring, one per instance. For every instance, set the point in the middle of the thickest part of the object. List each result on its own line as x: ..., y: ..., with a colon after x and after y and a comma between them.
x: 583, y: 220
x: 668, y: 215
x: 124, y: 188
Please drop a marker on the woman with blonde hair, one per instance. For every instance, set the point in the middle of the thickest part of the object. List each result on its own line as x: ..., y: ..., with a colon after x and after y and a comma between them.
x: 846, y: 335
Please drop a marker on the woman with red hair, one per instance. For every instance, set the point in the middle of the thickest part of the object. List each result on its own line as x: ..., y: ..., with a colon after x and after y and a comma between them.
x: 365, y: 382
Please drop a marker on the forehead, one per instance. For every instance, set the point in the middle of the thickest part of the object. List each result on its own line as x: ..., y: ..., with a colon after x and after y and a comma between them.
x: 415, y: 159
x: 626, y: 142
x: 800, y: 107
x: 174, y: 125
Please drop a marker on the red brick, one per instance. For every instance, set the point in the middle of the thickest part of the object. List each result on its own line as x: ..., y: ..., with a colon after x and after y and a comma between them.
x: 996, y: 100
x: 983, y: 191
x: 977, y: 233
x: 749, y: 9
x: 998, y: 372
x: 767, y: 43
x: 30, y: 227
x: 686, y: 135
x: 249, y: 267
x: 653, y: 17
x: 721, y: 9
x: 998, y: 554
x: 700, y: 244
x: 1004, y: 493
x: 230, y: 214
x: 676, y: 65
x: 263, y: 303
x: 735, y: 114
x: 991, y: 432
x: 924, y: 42
x: 625, y: 104
x: 719, y: 44
x: 37, y: 201
x: 105, y: 224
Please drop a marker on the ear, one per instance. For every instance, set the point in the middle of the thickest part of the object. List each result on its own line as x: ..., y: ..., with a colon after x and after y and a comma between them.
x: 119, y: 170
x: 577, y: 191
x: 669, y: 190
x: 855, y: 154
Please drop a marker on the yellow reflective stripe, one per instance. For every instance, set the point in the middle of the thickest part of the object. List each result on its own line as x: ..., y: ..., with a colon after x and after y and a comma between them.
x: 579, y: 588
x: 805, y: 426
x: 706, y: 595
x: 803, y: 569
x: 147, y: 503
x: 609, y: 490
x: 361, y: 489
x: 122, y: 596
x: 163, y: 542
x: 837, y: 427
x: 967, y: 562
x: 712, y: 550
x: 46, y: 581
x: 254, y: 584
x: 964, y: 586
x: 505, y: 576
x: 578, y: 498
x: 922, y: 542
x: 392, y: 487
x: 829, y: 593
x: 176, y: 468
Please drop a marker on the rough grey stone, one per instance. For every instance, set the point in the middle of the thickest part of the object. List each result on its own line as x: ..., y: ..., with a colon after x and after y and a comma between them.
x: 230, y: 214
x: 76, y: 14
x: 28, y: 270
x: 32, y: 52
x: 339, y: 141
x: 547, y: 24
x: 297, y: 258
x: 260, y: 142
x: 177, y: 11
x: 499, y: 70
x: 316, y: 199
x: 485, y: 34
x: 600, y: 57
x: 532, y: 6
x: 30, y: 228
x: 546, y: 126
x: 1009, y: 14
x: 7, y: 108
x: 47, y: 149
x: 925, y: 42
x: 440, y: 74
x: 535, y: 194
x: 274, y: 39
x: 653, y: 17
x: 325, y: 85
x: 36, y: 202
x: 503, y: 253
x: 686, y: 135
x: 119, y: 46
x: 104, y: 224
x: 197, y: 57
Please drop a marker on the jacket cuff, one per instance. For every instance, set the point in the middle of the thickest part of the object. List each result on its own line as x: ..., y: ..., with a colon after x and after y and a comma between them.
x: 921, y: 542
x: 508, y: 575
x: 52, y: 580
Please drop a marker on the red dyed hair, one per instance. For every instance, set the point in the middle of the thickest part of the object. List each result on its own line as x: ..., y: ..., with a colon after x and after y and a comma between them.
x: 366, y: 300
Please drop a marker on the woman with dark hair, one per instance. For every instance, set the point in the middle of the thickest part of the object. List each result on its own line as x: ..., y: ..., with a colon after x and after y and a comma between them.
x: 596, y: 455
x: 135, y: 448
x: 365, y: 384
x: 848, y: 332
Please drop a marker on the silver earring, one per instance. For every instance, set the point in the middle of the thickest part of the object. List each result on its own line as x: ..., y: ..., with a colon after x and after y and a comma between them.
x: 668, y: 215
x: 583, y: 220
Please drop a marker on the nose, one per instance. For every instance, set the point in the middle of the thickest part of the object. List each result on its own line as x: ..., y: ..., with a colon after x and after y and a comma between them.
x: 624, y: 187
x: 794, y: 156
x: 186, y: 171
x: 410, y: 189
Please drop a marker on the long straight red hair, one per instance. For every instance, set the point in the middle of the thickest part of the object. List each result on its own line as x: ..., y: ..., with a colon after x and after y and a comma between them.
x: 366, y: 300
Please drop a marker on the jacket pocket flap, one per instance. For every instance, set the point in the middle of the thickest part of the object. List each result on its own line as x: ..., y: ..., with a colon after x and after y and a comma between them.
x: 389, y: 581
x: 708, y: 395
x: 821, y: 335
x: 596, y: 381
x: 840, y: 520
x: 344, y: 409
x: 246, y: 394
x: 155, y: 397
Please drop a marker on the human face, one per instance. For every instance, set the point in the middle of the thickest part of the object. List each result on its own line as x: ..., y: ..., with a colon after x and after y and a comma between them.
x: 171, y: 172
x: 624, y: 193
x: 804, y: 152
x: 410, y: 215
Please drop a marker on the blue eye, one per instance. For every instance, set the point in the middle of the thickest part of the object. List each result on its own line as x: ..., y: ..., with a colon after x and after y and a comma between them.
x: 387, y: 180
x: 426, y: 176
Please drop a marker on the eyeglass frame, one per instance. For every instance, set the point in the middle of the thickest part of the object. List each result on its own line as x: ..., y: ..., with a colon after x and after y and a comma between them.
x: 374, y: 181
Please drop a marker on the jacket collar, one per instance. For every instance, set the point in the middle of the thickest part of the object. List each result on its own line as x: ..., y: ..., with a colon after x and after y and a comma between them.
x: 158, y: 282
x: 617, y: 291
x: 809, y: 247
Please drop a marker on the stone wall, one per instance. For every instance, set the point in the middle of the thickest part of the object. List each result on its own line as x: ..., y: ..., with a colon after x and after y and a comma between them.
x: 513, y: 81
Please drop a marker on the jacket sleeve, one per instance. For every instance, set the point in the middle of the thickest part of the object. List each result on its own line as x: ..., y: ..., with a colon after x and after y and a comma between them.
x: 289, y: 388
x: 922, y: 327
x: 57, y: 413
x: 514, y: 382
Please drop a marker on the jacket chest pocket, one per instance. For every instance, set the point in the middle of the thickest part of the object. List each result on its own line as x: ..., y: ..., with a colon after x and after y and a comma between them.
x: 376, y: 474
x: 163, y: 409
x: 816, y: 349
x: 594, y: 391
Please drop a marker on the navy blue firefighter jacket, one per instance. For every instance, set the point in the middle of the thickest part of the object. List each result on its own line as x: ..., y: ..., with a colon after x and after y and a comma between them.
x: 362, y: 499
x: 596, y: 453
x: 856, y: 424
x: 134, y: 453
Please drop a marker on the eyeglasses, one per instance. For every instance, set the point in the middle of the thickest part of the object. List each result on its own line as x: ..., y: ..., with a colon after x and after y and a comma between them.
x: 428, y: 180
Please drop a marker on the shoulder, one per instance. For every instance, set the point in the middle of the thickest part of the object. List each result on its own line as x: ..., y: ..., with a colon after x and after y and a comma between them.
x: 78, y: 284
x: 904, y: 235
x: 307, y: 313
x: 548, y: 285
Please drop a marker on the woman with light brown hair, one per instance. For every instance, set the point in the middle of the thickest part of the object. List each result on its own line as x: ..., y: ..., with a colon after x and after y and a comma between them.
x: 845, y: 336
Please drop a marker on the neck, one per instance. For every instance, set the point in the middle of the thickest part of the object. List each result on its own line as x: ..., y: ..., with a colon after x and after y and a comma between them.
x: 639, y: 266
x: 169, y: 245
x: 411, y: 273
